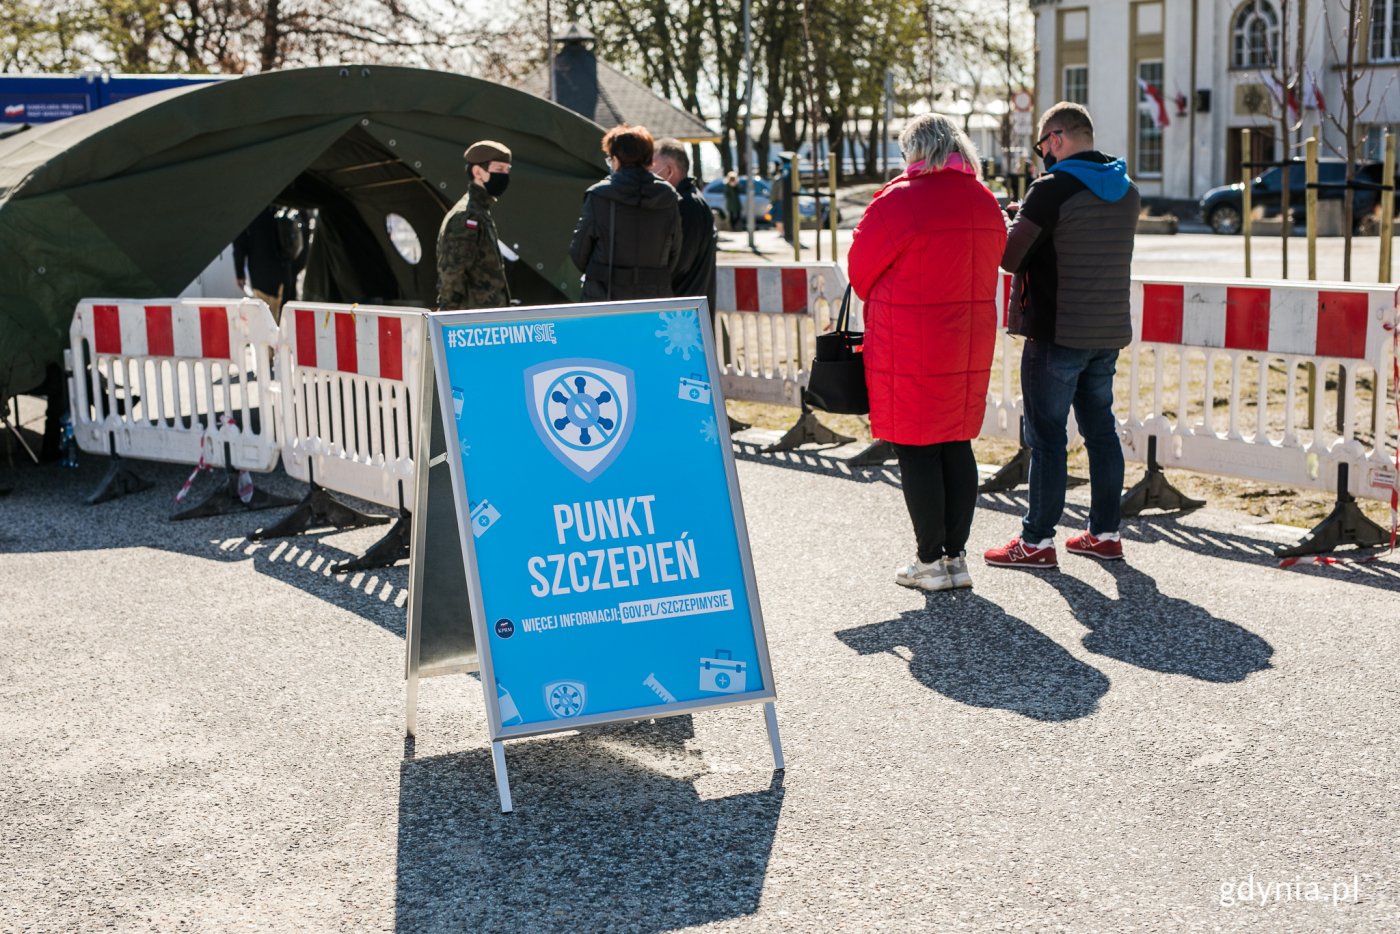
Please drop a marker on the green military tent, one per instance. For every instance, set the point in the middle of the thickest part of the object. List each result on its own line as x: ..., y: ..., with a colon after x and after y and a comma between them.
x: 135, y: 199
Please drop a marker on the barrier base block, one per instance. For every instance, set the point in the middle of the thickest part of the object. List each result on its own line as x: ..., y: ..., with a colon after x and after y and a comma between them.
x: 226, y: 501
x: 120, y: 481
x: 1345, y: 525
x: 1154, y: 491
x: 808, y: 430
x: 386, y: 552
x: 1017, y: 472
x: 873, y: 456
x: 318, y: 509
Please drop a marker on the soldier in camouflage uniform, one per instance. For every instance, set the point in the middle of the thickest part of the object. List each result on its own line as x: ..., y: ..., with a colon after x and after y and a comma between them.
x: 471, y: 272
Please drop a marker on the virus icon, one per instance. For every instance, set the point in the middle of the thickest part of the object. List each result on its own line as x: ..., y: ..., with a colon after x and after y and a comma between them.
x: 681, y: 331
x: 582, y: 396
x: 466, y: 449
x: 708, y: 431
x: 565, y: 698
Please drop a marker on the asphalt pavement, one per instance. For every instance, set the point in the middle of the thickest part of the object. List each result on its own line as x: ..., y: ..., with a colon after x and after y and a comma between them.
x: 201, y: 733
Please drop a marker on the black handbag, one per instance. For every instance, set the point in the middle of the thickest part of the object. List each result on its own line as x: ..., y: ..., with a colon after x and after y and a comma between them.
x: 837, y: 382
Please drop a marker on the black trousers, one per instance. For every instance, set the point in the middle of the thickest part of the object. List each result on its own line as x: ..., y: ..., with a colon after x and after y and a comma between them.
x: 940, y: 489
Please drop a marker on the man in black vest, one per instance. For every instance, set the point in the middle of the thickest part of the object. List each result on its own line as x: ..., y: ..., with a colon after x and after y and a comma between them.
x: 695, y: 271
x: 1070, y: 251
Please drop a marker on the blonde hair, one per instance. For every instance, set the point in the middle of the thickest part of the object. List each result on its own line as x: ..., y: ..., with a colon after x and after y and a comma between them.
x: 934, y: 138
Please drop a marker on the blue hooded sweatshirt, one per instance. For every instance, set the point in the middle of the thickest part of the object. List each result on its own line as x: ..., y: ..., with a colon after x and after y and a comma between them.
x: 1108, y: 181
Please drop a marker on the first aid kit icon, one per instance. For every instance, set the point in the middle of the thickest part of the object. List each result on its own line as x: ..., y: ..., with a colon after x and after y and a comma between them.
x: 694, y: 389
x: 483, y: 517
x: 722, y: 674
x: 459, y: 401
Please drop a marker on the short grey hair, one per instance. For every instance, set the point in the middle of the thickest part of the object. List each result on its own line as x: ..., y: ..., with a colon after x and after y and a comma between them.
x: 673, y: 149
x: 934, y: 138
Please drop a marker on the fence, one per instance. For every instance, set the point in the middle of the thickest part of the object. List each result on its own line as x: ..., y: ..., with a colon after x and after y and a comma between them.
x: 1273, y: 382
x: 1267, y: 381
x: 767, y: 319
x: 177, y: 381
x: 347, y: 414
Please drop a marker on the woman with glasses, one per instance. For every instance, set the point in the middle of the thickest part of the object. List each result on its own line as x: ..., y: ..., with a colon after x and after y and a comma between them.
x: 924, y: 259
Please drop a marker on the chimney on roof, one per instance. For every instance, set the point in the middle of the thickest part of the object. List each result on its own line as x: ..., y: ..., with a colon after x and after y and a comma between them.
x: 576, y: 71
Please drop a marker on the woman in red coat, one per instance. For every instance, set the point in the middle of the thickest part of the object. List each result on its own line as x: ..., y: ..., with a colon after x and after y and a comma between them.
x: 924, y: 259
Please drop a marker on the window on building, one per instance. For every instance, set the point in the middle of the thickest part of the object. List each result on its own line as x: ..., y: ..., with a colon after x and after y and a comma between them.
x: 1077, y: 84
x: 1255, y: 34
x: 1149, y: 134
x: 1374, y: 147
x: 1385, y: 30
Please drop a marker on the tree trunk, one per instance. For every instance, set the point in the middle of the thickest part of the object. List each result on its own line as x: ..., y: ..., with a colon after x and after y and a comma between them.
x: 268, y: 56
x: 872, y: 159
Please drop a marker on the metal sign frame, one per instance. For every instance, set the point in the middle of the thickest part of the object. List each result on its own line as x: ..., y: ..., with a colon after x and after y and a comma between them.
x: 437, y: 323
x: 432, y: 558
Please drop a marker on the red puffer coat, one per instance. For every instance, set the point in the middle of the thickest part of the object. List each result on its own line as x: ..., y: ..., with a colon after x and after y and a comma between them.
x: 924, y: 260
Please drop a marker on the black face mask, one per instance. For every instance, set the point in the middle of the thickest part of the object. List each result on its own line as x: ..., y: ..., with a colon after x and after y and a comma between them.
x: 1049, y: 161
x: 497, y: 184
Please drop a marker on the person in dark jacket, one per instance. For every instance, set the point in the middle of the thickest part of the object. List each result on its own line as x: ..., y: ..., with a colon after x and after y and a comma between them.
x: 471, y: 271
x: 628, y: 239
x: 733, y: 205
x: 924, y: 261
x: 695, y: 271
x: 1070, y: 251
x: 269, y: 260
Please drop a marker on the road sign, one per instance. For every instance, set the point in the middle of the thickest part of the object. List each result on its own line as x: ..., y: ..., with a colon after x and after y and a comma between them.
x: 1021, y: 123
x: 1022, y: 101
x: 598, y: 509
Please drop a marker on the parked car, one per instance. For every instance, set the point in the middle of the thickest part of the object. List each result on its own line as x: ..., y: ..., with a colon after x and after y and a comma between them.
x: 1223, y: 207
x: 763, y: 205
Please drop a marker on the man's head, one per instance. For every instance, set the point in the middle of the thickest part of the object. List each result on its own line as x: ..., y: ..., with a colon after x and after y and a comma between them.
x: 628, y: 146
x: 670, y: 161
x: 1065, y: 130
x: 489, y: 164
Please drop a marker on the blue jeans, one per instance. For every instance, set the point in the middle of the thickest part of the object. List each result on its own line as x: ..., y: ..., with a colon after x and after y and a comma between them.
x: 1053, y: 378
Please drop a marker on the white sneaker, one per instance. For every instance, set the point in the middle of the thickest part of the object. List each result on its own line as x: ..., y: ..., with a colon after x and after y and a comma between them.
x: 920, y: 576
x: 956, y: 566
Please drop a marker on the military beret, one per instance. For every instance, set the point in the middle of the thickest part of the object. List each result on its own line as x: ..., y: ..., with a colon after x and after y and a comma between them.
x: 486, y: 151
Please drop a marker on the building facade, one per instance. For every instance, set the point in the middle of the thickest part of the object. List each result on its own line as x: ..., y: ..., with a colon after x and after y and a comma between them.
x: 1171, y: 84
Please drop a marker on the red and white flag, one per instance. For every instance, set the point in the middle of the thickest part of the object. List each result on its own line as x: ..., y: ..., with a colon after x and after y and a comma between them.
x: 1155, y: 107
x: 14, y: 110
x: 1282, y: 96
x: 1315, y: 93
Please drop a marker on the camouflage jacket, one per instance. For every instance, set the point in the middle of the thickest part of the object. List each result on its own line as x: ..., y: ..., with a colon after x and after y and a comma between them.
x: 471, y: 273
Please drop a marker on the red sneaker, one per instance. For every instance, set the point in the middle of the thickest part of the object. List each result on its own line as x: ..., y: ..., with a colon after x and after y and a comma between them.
x: 1104, y: 549
x: 1017, y: 554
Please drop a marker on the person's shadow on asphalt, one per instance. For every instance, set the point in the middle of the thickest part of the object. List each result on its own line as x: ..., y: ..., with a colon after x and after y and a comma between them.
x: 969, y: 649
x: 1146, y: 628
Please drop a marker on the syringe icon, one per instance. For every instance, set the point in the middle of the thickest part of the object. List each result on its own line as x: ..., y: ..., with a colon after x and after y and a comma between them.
x: 661, y: 692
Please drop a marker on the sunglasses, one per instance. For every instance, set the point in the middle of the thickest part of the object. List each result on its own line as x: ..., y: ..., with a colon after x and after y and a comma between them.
x: 1036, y: 148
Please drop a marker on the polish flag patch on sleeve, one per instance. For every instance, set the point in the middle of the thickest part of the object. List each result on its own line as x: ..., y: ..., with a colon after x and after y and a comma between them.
x: 472, y: 225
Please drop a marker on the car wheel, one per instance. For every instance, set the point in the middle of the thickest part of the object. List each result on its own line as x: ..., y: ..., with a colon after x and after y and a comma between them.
x: 1225, y: 219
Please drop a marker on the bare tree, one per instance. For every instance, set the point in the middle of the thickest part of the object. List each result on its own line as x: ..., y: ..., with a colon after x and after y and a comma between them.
x: 1357, y: 85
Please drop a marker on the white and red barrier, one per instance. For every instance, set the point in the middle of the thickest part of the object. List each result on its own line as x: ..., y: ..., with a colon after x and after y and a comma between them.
x: 348, y: 415
x: 1217, y: 413
x: 180, y: 381
x: 766, y: 321
x: 1199, y: 370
